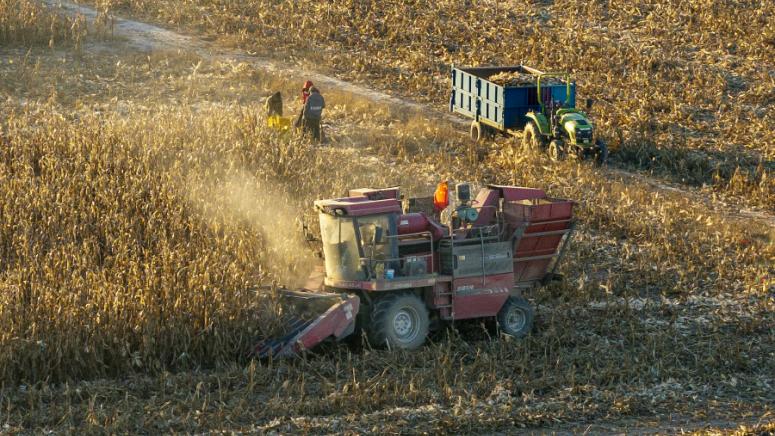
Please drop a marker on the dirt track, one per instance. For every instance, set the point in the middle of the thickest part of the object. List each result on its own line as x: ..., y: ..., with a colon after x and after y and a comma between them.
x: 147, y: 37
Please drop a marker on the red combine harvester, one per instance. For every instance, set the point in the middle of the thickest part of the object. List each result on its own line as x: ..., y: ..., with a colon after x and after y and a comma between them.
x: 391, y: 270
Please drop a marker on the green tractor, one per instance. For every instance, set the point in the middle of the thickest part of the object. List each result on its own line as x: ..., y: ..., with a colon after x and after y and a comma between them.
x: 561, y: 129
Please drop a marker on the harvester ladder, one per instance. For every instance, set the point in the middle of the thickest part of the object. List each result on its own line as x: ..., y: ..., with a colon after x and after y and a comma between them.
x: 450, y: 306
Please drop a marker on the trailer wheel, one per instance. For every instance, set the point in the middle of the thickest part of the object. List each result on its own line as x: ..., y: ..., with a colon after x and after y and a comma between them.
x: 532, y: 138
x: 516, y: 317
x: 602, y: 153
x: 477, y: 133
x: 556, y: 151
x: 398, y: 320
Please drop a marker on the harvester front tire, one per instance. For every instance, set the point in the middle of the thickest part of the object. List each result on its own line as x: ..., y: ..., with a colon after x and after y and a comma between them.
x: 516, y: 317
x: 398, y: 321
x: 556, y: 151
x: 531, y: 138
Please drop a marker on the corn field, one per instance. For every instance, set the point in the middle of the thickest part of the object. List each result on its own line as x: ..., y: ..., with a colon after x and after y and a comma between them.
x: 683, y: 89
x: 27, y: 22
x: 145, y: 208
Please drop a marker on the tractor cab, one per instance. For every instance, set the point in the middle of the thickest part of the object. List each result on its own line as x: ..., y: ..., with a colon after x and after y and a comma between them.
x: 558, y: 106
x: 569, y: 131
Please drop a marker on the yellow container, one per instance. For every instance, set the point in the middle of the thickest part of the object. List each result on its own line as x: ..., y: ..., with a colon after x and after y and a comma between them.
x: 278, y: 122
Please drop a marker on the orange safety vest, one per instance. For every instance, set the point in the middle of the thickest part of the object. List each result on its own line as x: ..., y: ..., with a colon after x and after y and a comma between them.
x: 441, y: 196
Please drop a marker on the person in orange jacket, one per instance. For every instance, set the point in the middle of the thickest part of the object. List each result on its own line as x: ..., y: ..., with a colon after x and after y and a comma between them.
x: 441, y: 196
x: 305, y: 92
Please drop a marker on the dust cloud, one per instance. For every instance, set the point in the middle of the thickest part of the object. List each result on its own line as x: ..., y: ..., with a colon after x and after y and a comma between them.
x: 269, y: 210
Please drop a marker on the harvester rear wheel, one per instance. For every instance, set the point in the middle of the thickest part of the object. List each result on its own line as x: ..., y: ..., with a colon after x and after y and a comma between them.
x: 516, y: 317
x: 398, y: 320
x: 556, y: 150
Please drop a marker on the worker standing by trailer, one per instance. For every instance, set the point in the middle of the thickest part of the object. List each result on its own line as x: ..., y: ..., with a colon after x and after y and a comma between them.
x: 312, y: 113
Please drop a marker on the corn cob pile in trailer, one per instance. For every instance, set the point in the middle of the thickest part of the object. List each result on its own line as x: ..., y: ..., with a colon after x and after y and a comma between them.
x: 392, y: 268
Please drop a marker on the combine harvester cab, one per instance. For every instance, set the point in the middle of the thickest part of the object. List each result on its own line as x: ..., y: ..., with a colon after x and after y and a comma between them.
x: 391, y: 266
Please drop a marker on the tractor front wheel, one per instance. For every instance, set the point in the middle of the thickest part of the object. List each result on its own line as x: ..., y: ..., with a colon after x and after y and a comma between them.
x: 516, y: 317
x: 556, y: 150
x: 532, y: 138
x: 398, y: 320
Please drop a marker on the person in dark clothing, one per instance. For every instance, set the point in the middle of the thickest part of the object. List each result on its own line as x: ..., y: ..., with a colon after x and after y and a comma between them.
x: 313, y: 112
x: 274, y: 105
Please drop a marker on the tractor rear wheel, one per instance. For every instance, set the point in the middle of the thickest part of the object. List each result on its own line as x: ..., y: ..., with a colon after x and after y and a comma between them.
x: 556, y: 150
x: 398, y: 320
x: 516, y: 317
x: 532, y: 138
x: 602, y: 153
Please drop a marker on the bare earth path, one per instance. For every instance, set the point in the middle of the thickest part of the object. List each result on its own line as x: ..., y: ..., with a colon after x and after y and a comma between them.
x: 147, y: 37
